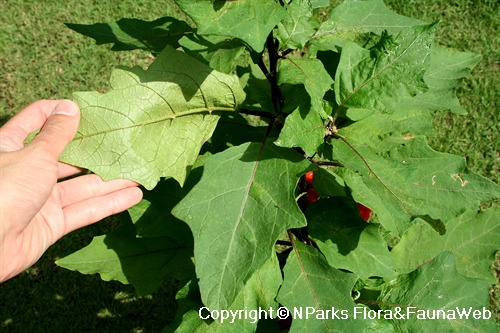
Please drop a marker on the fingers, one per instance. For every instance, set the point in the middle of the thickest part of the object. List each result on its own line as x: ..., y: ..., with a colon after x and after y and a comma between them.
x: 95, y: 209
x: 31, y: 118
x: 88, y: 186
x: 66, y: 170
x: 58, y: 130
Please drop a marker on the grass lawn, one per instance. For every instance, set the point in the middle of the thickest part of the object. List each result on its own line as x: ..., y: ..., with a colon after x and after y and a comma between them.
x: 41, y: 58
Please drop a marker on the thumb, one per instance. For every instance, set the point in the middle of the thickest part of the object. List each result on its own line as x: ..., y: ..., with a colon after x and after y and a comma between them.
x: 58, y: 130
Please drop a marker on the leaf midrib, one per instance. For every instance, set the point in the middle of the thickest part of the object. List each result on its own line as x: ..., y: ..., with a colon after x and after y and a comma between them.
x: 380, y: 72
x: 191, y: 112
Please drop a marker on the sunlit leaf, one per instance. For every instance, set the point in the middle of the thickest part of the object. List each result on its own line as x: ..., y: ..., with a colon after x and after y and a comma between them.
x: 472, y: 237
x: 152, y: 123
x: 298, y: 26
x: 436, y: 286
x: 379, y: 78
x: 353, y: 18
x: 411, y: 181
x: 220, y: 53
x: 249, y: 20
x: 243, y: 202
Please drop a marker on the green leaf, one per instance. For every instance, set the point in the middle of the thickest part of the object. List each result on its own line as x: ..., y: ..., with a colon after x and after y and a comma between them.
x: 381, y: 77
x: 311, y: 284
x: 131, y: 34
x: 243, y: 202
x: 353, y: 18
x: 410, y: 181
x: 122, y: 256
x: 152, y: 217
x: 257, y: 89
x: 387, y: 130
x: 152, y: 123
x: 220, y: 53
x: 233, y: 130
x: 259, y: 293
x: 433, y: 287
x: 302, y: 129
x: 472, y: 237
x: 249, y: 20
x: 446, y: 68
x: 346, y: 240
x: 312, y: 74
x: 319, y: 3
x: 299, y: 25
x: 294, y: 96
x: 328, y: 184
x: 187, y: 318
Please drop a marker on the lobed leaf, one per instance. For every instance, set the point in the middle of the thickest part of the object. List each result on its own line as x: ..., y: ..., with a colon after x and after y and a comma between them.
x: 437, y: 286
x: 242, y: 204
x: 220, y: 53
x: 249, y: 20
x: 298, y: 26
x: 123, y: 257
x: 381, y: 77
x: 152, y: 123
x: 411, y: 181
x: 308, y: 72
x: 302, y: 129
x: 353, y: 18
x: 472, y: 237
x: 446, y: 68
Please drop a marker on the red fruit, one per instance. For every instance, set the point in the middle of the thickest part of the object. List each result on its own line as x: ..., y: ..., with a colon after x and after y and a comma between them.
x: 311, y: 196
x: 364, y: 211
x: 309, y: 177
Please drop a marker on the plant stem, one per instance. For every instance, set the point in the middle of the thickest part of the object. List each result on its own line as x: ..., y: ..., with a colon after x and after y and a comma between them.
x: 328, y: 163
x: 271, y: 74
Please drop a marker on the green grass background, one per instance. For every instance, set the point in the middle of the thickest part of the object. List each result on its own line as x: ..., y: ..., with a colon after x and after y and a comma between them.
x: 41, y: 58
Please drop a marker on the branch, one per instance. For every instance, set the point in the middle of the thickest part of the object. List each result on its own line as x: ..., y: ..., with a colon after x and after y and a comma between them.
x: 328, y: 163
x: 277, y: 97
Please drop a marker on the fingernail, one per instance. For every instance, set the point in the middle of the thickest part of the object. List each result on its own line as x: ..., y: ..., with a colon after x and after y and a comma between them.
x: 66, y: 107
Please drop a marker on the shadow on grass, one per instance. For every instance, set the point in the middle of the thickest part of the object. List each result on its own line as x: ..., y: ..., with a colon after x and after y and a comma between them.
x: 47, y: 298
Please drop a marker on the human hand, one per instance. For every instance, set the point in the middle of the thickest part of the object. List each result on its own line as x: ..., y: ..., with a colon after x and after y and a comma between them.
x: 36, y: 210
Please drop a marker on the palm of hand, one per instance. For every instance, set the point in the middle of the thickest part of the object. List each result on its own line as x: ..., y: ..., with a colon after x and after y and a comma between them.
x: 36, y: 210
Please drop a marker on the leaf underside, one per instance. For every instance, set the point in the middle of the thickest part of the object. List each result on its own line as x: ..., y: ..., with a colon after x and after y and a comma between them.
x: 152, y: 123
